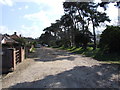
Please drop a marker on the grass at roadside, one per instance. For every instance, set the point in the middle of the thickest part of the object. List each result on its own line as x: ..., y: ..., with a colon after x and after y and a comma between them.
x: 111, y: 62
x: 32, y: 50
x: 113, y: 58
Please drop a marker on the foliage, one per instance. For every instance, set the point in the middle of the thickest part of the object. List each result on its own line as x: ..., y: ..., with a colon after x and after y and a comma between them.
x: 46, y: 38
x: 96, y: 54
x: 28, y: 42
x: 83, y: 38
x: 110, y: 39
x: 62, y: 42
x: 34, y: 43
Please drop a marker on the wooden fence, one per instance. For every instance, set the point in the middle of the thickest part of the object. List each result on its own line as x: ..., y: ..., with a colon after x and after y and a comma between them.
x: 11, y: 57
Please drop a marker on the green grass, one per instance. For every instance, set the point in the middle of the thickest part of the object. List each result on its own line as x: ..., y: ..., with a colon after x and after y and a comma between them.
x: 32, y: 50
x: 111, y: 62
x: 96, y: 54
x: 63, y: 48
x: 71, y: 49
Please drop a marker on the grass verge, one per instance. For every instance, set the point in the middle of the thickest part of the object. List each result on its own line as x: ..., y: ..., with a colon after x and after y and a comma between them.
x: 113, y: 58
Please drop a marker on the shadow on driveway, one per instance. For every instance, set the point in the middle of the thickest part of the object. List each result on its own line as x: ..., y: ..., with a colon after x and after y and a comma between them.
x: 55, y: 59
x: 48, y: 54
x: 78, y: 77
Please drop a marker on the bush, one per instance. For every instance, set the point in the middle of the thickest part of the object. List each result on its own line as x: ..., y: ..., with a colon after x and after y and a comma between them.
x: 83, y: 39
x: 110, y: 39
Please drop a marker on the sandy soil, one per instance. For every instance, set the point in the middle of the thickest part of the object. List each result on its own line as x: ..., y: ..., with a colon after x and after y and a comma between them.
x: 51, y: 68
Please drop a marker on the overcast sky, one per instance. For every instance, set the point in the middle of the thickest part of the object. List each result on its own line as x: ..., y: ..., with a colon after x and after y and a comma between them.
x: 30, y: 17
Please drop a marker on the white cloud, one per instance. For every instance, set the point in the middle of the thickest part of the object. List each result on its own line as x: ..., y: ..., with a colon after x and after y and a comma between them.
x: 6, y: 2
x: 26, y: 31
x: 26, y: 7
x: 46, y: 17
x: 31, y: 31
x: 19, y: 8
x: 47, y: 2
x: 41, y: 1
x: 2, y: 2
x: 112, y: 11
x: 5, y: 29
x: 22, y: 8
x: 39, y: 17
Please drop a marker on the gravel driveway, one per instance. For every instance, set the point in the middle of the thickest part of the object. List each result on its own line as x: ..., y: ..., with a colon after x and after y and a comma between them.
x: 52, y: 68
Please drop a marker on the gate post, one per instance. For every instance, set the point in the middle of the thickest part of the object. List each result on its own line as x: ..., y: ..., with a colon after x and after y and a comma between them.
x: 21, y: 54
x: 12, y: 58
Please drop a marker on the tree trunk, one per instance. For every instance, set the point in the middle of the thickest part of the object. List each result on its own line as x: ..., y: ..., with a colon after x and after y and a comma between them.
x: 73, y: 31
x: 94, y: 36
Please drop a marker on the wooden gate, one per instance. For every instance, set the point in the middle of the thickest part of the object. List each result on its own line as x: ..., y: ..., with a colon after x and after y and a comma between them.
x: 11, y: 57
x: 17, y: 56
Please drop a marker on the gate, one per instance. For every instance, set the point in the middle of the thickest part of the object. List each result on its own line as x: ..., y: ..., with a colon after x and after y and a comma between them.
x: 11, y: 57
x: 17, y: 56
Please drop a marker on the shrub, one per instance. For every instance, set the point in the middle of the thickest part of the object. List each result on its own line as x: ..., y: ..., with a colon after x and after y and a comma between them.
x: 110, y: 39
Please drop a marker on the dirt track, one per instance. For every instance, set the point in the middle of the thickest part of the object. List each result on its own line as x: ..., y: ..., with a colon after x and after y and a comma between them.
x: 51, y: 68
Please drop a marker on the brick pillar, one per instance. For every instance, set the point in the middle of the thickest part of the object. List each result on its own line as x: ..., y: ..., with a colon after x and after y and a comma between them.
x: 12, y: 58
x: 22, y: 54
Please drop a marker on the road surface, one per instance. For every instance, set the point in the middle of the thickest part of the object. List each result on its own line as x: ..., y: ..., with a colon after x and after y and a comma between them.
x: 52, y: 68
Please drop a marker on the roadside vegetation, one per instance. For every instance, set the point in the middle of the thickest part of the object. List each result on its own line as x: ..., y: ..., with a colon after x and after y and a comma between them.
x: 28, y: 43
x: 108, y: 50
x: 112, y: 58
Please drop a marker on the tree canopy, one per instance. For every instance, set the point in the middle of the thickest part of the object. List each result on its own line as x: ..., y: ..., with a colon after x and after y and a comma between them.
x: 73, y: 28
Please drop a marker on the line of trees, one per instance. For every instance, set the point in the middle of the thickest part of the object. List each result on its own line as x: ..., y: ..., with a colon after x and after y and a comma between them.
x: 73, y: 28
